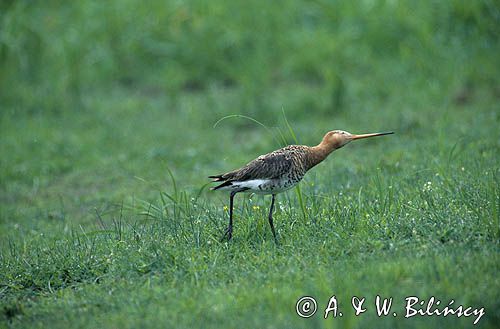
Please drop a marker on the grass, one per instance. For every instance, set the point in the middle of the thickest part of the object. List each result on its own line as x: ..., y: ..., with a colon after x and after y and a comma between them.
x: 106, y: 219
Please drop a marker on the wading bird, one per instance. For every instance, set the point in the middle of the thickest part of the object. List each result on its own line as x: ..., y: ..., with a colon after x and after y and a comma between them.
x: 280, y: 170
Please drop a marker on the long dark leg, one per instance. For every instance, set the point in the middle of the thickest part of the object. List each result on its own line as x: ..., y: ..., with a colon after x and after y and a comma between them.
x: 271, y: 218
x: 229, y: 230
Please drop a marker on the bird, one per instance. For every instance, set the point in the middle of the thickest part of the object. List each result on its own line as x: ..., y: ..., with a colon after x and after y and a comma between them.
x: 280, y: 170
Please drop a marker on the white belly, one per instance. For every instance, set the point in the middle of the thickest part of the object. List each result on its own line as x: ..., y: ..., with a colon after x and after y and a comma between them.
x: 261, y: 186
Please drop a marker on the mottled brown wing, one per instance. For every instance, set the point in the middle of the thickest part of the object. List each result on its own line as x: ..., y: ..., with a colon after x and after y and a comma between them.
x: 268, y: 166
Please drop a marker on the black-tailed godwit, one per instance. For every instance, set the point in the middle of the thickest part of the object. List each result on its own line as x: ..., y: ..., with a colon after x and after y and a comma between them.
x: 280, y: 170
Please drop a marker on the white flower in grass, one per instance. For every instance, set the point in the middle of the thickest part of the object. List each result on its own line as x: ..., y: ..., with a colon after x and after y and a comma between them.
x: 427, y: 187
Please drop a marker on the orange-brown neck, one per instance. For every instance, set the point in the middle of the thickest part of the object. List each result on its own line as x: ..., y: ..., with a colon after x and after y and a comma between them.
x: 320, y: 152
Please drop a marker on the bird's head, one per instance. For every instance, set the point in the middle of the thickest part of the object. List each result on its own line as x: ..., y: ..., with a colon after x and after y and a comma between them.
x: 337, y: 138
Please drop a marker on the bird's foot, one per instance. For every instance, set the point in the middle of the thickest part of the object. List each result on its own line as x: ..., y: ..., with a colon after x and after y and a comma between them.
x: 276, y: 241
x: 228, y: 233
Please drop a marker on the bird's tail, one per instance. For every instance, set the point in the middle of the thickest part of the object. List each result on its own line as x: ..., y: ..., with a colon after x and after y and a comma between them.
x: 224, y: 184
x: 220, y: 178
x: 216, y: 178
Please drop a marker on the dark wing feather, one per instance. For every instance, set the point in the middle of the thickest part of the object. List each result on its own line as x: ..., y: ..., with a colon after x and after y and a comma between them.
x: 268, y: 166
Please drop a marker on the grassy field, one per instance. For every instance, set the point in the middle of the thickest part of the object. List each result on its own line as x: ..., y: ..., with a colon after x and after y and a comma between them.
x: 108, y: 133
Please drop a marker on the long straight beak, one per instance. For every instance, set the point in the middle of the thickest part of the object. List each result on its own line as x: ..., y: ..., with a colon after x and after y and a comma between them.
x: 371, y: 135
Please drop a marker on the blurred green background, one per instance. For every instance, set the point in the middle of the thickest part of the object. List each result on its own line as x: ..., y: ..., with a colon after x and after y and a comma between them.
x: 100, y: 99
x: 323, y: 57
